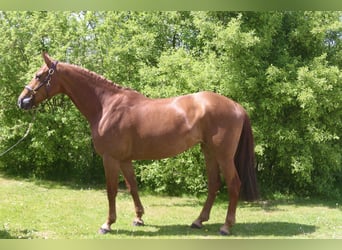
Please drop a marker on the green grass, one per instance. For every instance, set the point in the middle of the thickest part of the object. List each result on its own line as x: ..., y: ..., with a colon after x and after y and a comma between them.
x: 46, y: 210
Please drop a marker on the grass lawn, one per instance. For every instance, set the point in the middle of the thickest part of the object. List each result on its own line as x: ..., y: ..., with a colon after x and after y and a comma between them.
x: 47, y: 210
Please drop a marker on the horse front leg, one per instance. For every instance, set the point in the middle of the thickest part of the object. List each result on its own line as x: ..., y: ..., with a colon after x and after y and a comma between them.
x: 233, y: 184
x: 131, y: 183
x: 112, y: 168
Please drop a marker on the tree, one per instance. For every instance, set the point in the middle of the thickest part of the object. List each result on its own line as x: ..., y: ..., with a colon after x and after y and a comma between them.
x: 59, y: 145
x: 284, y: 67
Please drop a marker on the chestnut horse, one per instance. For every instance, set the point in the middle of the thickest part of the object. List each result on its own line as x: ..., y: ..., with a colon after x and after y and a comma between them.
x: 126, y: 126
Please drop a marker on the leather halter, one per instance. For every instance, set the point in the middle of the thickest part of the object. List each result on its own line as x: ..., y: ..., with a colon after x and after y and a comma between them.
x: 45, y: 82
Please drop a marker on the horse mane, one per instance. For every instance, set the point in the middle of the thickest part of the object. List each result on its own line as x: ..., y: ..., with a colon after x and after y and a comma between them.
x: 99, y: 79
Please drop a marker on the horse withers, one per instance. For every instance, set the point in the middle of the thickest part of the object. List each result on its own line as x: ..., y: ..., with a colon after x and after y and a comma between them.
x: 127, y: 125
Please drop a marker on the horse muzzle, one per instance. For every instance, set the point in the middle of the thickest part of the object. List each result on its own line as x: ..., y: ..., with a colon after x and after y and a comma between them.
x: 26, y: 102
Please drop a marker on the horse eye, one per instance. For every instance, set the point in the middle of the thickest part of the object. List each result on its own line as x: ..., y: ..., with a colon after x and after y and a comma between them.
x: 37, y: 76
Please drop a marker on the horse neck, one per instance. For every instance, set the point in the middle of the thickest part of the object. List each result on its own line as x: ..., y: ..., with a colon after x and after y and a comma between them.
x: 88, y: 91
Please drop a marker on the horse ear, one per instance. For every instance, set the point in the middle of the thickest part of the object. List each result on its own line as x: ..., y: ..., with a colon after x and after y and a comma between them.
x: 47, y: 59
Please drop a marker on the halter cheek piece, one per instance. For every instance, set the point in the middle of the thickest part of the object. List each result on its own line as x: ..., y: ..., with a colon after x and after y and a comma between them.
x: 45, y: 82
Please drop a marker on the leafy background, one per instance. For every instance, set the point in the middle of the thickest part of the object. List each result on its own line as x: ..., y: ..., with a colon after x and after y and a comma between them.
x: 284, y: 67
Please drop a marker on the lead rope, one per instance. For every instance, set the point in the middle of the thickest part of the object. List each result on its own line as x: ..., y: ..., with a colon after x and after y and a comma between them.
x: 21, y: 139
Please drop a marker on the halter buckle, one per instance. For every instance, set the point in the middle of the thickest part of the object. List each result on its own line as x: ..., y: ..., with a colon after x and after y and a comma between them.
x: 51, y: 70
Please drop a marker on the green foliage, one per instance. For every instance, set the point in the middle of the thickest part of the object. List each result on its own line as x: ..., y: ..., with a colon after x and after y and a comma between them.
x: 283, y: 67
x: 179, y: 175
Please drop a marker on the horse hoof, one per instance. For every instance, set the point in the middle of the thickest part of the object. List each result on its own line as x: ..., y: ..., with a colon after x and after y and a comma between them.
x: 103, y: 231
x: 195, y: 226
x: 224, y: 232
x: 138, y: 223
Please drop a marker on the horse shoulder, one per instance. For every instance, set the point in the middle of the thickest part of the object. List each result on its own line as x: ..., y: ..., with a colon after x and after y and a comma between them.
x: 112, y: 130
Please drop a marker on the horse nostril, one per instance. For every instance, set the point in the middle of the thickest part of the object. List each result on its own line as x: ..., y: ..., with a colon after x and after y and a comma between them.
x: 20, y: 103
x: 25, y: 103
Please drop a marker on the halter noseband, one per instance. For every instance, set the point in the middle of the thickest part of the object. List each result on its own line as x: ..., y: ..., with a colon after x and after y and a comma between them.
x: 45, y: 82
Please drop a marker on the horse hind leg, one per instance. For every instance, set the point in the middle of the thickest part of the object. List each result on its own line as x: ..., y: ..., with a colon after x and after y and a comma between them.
x: 214, y: 183
x: 233, y: 184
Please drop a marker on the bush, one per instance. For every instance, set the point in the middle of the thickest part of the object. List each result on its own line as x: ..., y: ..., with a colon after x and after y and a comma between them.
x: 283, y: 67
x: 184, y: 174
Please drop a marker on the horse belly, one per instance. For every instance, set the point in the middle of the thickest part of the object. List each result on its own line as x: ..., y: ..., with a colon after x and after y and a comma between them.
x: 154, y: 149
x: 166, y: 144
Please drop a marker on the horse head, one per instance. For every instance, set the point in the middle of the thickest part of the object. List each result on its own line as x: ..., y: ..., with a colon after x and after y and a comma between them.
x: 44, y: 85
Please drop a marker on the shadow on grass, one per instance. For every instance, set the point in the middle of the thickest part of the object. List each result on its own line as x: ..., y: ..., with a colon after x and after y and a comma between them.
x: 275, y: 205
x: 57, y: 184
x: 248, y: 230
x: 19, y: 234
x: 5, y: 235
x: 264, y: 229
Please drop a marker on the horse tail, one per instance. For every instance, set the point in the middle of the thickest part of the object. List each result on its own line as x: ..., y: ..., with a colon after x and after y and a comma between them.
x: 245, y: 163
